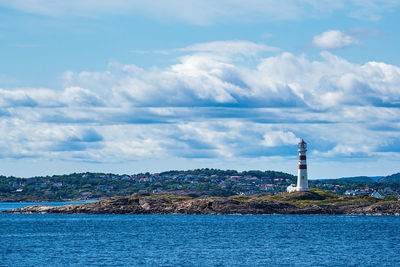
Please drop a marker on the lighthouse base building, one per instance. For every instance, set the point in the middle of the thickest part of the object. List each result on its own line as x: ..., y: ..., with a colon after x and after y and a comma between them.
x: 302, y: 179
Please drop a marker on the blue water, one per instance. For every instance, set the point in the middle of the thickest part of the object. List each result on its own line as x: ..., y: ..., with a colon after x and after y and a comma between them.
x: 198, y: 240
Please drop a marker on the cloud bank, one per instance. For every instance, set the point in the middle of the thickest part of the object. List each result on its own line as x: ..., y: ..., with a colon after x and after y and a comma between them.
x: 209, y: 105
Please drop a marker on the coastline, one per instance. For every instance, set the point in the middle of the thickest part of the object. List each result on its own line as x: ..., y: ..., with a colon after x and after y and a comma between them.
x: 41, y: 199
x: 285, y: 204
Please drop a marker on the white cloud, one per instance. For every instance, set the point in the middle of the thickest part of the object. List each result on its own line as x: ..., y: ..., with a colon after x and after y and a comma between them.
x: 279, y: 138
x: 282, y: 80
x: 365, y: 31
x: 206, y: 11
x: 23, y: 138
x: 333, y: 39
x: 208, y: 106
x: 77, y: 96
x: 196, y: 12
x: 39, y: 97
x: 28, y: 97
x: 372, y: 9
x: 231, y: 47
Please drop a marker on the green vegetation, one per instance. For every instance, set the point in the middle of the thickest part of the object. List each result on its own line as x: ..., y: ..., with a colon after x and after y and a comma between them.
x: 241, y: 198
x: 391, y: 198
x: 394, y: 178
x: 318, y: 196
x: 298, y: 199
x: 193, y: 183
x: 340, y: 186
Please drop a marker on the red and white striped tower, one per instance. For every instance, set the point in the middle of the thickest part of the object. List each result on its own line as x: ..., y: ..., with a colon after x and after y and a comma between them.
x: 302, y: 180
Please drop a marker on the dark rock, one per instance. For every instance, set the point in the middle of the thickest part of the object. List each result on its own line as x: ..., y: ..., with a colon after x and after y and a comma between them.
x: 161, y: 204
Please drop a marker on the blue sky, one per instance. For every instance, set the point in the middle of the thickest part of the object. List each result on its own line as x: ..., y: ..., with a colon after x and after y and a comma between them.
x: 125, y: 86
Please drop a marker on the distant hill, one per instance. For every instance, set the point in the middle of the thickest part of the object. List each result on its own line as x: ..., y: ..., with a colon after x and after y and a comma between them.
x: 394, y: 178
x: 362, y: 178
x: 366, y: 179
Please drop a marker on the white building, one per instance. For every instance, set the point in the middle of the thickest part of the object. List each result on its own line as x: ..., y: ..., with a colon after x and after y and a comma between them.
x: 377, y: 195
x: 291, y: 188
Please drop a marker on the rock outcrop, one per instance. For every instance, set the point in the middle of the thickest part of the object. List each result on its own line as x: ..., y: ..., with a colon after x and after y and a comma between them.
x: 166, y: 204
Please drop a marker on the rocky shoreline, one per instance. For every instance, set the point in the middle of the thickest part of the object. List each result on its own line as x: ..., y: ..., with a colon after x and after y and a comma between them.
x: 168, y: 204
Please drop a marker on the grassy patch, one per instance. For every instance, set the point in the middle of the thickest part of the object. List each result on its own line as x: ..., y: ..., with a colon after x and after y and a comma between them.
x: 313, y: 195
x: 299, y: 199
x: 324, y: 193
x: 391, y: 198
x: 241, y: 198
x: 318, y: 196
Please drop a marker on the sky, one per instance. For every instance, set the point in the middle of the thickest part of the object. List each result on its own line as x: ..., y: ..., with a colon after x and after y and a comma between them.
x: 128, y: 86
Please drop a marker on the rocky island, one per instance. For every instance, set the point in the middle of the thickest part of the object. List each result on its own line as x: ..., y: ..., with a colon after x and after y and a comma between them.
x: 313, y: 202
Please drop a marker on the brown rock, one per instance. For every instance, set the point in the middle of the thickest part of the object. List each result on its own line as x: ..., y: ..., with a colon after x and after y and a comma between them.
x: 163, y: 204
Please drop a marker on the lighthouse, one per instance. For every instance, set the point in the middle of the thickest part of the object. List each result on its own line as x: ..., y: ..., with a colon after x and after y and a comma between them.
x: 302, y: 180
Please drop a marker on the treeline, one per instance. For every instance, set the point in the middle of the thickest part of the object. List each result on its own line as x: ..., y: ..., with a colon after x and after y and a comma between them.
x: 218, y: 172
x: 206, y: 181
x: 394, y: 178
x: 351, y: 185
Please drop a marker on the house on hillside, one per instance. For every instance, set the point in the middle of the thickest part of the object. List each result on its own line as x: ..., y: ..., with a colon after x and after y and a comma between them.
x: 350, y: 193
x: 376, y: 194
x: 388, y: 190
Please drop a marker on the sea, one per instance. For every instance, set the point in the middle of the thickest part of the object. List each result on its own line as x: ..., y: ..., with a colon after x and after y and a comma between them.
x: 197, y: 240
